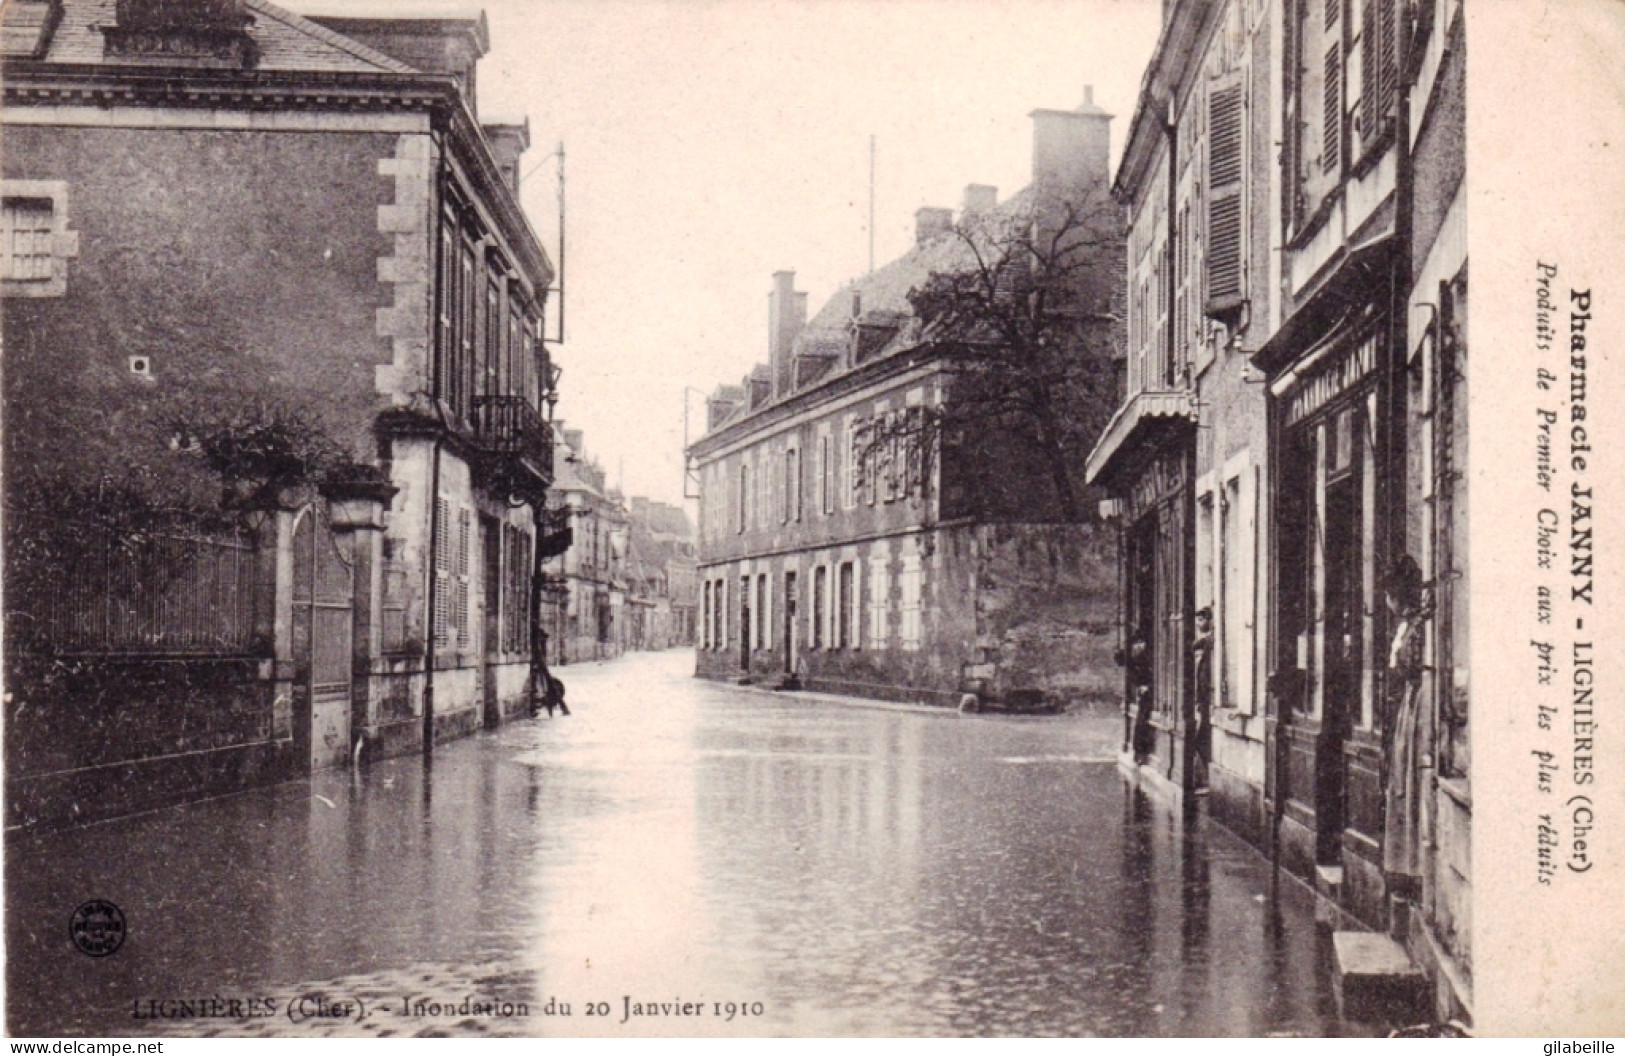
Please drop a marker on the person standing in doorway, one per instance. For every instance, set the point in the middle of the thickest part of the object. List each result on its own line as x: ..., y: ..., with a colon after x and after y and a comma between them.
x: 1138, y: 666
x: 1409, y: 751
x: 1202, y: 687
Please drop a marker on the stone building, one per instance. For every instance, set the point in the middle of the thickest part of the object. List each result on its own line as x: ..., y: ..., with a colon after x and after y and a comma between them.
x: 272, y: 396
x: 591, y: 620
x: 1291, y: 455
x: 660, y: 561
x: 856, y: 535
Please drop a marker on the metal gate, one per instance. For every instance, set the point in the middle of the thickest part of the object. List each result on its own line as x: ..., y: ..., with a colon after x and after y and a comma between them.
x: 323, y: 605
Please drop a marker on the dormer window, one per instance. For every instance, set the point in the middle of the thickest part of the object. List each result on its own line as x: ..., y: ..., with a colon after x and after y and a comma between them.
x: 188, y: 32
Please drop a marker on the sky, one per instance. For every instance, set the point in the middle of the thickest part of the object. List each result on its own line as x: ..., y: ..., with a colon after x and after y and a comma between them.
x: 710, y: 143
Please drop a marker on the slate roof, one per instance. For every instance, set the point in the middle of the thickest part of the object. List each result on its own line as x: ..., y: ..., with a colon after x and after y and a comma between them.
x: 284, y: 40
x: 886, y: 289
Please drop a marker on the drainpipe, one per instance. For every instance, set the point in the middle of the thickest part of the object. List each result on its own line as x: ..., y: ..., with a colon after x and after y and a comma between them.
x: 433, y: 498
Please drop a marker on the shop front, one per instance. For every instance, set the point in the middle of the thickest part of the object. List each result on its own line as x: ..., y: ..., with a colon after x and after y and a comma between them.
x: 1338, y: 470
x: 1145, y: 460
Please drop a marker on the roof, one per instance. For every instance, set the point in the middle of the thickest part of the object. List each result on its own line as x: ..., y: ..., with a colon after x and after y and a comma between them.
x: 283, y: 40
x: 885, y: 291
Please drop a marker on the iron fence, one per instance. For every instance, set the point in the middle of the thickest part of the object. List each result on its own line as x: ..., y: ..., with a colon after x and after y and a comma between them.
x: 79, y: 589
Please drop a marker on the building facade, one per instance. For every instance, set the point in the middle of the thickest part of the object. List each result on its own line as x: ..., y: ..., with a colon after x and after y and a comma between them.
x: 660, y: 578
x: 273, y: 391
x: 848, y: 546
x: 591, y: 618
x: 1296, y: 464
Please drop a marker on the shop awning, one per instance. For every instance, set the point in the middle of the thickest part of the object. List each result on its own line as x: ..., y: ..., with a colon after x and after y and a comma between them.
x: 1355, y: 277
x: 1144, y: 420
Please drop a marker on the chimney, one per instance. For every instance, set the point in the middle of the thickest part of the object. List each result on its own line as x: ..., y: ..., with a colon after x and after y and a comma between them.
x: 1071, y: 148
x: 452, y: 45
x: 930, y: 223
x: 786, y: 317
x: 509, y: 140
x: 979, y: 199
x: 721, y: 405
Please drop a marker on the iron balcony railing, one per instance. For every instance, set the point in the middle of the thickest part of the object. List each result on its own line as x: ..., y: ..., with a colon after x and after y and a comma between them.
x: 511, y: 427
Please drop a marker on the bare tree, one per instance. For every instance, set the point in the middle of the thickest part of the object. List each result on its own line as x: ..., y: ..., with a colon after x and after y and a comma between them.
x: 1025, y: 330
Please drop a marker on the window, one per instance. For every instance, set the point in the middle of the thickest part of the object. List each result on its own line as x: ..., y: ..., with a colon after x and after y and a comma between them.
x: 1225, y: 167
x: 460, y: 588
x: 744, y: 497
x: 469, y: 300
x: 879, y: 601
x: 516, y: 568
x: 820, y: 593
x: 849, y: 464
x: 27, y: 234
x: 745, y: 629
x: 792, y: 484
x: 492, y: 380
x: 764, y: 619
x: 1331, y: 155
x: 35, y: 244
x: 826, y: 474
x: 442, y: 573
x: 705, y: 615
x: 450, y: 575
x: 773, y: 469
x: 1379, y: 69
x: 909, y: 582
x: 846, y: 618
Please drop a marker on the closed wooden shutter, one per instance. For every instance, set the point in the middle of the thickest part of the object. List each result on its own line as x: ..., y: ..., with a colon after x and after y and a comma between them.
x: 1225, y: 171
x: 442, y: 573
x: 1387, y: 58
x: 461, y: 584
x: 1332, y: 112
x: 1370, y: 116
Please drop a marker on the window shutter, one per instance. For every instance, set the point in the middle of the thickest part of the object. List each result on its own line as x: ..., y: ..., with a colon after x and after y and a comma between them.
x: 462, y: 576
x: 442, y: 573
x: 1225, y: 181
x: 1332, y: 8
x: 1292, y: 131
x: 1332, y: 113
x: 1387, y: 58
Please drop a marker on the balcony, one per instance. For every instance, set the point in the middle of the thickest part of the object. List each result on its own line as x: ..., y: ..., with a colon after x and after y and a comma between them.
x: 510, y: 432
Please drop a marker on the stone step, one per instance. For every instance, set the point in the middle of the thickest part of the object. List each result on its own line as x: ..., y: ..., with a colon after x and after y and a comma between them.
x: 1376, y: 980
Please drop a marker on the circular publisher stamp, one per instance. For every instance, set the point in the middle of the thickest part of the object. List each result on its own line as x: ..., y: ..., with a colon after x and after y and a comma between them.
x: 97, y: 928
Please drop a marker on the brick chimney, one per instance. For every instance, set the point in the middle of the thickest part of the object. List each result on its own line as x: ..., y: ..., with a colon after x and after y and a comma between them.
x: 509, y: 140
x: 930, y: 223
x: 786, y: 317
x: 1071, y: 148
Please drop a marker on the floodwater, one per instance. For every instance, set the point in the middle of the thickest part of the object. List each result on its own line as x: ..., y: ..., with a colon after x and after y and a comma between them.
x: 678, y: 857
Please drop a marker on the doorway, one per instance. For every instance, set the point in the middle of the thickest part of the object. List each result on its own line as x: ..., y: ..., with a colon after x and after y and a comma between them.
x: 323, y: 609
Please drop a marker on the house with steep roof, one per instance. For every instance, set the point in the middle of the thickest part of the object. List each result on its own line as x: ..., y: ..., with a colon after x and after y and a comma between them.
x: 273, y: 397
x: 856, y: 536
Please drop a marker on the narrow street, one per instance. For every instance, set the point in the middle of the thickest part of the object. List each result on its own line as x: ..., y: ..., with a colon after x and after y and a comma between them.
x: 824, y: 868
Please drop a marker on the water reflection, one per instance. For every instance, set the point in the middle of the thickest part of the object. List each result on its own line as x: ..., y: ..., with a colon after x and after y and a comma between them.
x: 856, y: 871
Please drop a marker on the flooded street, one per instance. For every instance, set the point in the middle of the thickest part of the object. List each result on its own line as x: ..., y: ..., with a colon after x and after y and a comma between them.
x: 688, y: 849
